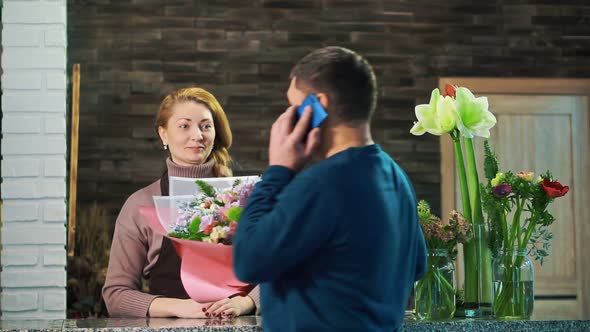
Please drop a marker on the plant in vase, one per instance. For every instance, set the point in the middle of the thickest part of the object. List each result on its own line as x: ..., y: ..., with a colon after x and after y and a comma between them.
x: 516, y: 205
x: 463, y: 116
x: 435, y: 293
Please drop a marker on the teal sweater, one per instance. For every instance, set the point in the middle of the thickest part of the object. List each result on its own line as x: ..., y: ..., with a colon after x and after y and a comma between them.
x: 336, y: 247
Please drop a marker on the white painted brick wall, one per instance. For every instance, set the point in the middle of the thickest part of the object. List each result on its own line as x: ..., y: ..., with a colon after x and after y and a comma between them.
x: 54, y: 301
x: 55, y: 125
x: 20, y: 124
x: 54, y: 211
x: 20, y: 210
x: 54, y: 257
x: 55, y: 167
x: 22, y: 80
x: 21, y: 167
x: 34, y: 167
x: 21, y: 300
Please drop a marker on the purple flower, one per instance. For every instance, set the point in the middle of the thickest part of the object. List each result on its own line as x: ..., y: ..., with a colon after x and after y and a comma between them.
x: 206, y: 220
x: 502, y: 190
x: 244, y: 192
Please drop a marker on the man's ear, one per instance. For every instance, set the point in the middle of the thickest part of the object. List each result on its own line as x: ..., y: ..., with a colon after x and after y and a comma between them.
x: 163, y: 135
x: 323, y: 98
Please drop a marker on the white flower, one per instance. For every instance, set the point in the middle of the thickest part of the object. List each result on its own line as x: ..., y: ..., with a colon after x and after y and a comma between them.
x: 437, y: 118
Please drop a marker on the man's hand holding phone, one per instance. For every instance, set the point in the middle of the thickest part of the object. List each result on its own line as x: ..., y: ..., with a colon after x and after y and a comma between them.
x: 289, y: 146
x: 319, y: 113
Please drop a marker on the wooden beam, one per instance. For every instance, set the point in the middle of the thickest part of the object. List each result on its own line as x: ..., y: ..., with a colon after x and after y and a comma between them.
x: 74, y: 159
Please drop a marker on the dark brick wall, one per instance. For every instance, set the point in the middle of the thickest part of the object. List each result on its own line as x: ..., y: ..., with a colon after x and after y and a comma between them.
x: 134, y: 52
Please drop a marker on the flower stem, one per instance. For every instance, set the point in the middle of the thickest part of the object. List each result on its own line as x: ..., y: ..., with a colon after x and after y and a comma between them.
x: 473, y: 183
x: 477, y: 253
x: 462, y: 175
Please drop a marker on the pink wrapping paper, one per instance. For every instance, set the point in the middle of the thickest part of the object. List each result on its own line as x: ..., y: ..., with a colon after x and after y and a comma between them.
x: 206, y: 269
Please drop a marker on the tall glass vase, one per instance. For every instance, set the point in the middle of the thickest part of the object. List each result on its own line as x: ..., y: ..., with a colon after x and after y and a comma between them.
x: 435, y: 293
x: 477, y: 260
x: 513, y: 285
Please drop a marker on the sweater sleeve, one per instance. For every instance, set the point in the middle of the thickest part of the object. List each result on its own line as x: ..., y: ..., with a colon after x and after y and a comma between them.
x: 420, y: 254
x: 255, y: 296
x: 283, y: 223
x: 122, y: 290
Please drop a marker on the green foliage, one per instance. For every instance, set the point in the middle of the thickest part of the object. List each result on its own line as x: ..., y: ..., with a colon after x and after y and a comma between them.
x: 193, y: 228
x: 540, y: 243
x: 234, y: 213
x: 186, y: 235
x: 179, y: 235
x: 207, y: 189
x: 490, y: 163
x: 424, y: 210
x: 520, y: 219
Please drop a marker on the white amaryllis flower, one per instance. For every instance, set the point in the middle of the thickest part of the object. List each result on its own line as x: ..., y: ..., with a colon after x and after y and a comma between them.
x: 437, y: 118
x: 474, y: 118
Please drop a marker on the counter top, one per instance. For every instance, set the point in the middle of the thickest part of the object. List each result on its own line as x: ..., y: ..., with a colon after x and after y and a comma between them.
x: 254, y: 323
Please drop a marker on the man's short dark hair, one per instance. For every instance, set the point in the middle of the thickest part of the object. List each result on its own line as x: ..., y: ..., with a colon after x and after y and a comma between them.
x: 344, y: 76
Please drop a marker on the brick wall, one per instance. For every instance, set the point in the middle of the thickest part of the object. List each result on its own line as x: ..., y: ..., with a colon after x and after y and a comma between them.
x: 134, y: 52
x: 33, y: 277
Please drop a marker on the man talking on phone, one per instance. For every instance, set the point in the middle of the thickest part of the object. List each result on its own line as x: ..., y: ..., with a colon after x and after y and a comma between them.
x: 336, y: 246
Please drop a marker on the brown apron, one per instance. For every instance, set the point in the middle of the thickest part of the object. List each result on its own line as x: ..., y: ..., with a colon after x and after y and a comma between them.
x: 164, y: 278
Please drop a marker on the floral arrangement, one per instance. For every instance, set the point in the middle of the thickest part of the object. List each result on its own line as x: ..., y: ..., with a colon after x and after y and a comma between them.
x: 435, y: 293
x: 213, y: 215
x: 462, y: 115
x: 200, y: 218
x: 523, y: 199
x: 528, y: 199
x: 443, y: 234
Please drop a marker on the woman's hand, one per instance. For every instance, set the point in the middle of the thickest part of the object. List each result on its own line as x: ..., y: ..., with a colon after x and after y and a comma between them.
x: 231, y: 307
x: 168, y: 307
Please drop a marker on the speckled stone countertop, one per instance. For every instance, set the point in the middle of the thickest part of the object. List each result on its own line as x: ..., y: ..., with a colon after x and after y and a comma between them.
x: 251, y: 323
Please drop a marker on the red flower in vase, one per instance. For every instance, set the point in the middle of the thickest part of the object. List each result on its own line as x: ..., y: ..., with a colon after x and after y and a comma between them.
x: 554, y: 189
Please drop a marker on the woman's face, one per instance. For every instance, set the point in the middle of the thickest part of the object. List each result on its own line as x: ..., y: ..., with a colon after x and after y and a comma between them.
x: 189, y: 133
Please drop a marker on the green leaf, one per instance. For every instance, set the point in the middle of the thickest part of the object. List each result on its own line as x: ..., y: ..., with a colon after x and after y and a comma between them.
x: 424, y: 210
x: 236, y: 183
x: 206, y: 188
x: 490, y: 162
x: 234, y: 213
x: 179, y: 235
x: 196, y: 237
x: 193, y: 228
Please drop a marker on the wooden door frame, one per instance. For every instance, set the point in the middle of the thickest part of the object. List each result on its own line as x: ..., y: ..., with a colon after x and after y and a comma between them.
x: 542, y: 86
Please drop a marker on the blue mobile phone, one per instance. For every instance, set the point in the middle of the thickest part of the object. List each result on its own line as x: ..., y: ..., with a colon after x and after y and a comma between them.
x: 319, y: 113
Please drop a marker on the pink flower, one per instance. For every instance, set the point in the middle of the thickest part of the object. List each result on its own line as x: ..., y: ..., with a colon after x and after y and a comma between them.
x: 526, y: 176
x: 206, y: 220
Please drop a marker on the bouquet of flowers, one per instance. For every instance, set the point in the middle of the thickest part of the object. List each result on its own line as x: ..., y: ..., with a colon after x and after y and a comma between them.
x: 524, y: 200
x: 435, y: 294
x: 212, y: 215
x: 201, y: 226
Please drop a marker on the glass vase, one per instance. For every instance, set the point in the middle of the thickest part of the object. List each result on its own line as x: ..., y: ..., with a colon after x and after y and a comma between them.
x: 435, y: 293
x: 513, y: 275
x: 477, y: 258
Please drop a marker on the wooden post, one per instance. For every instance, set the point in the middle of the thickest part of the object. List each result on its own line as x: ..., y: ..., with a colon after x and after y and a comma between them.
x: 74, y: 159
